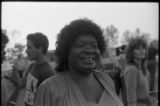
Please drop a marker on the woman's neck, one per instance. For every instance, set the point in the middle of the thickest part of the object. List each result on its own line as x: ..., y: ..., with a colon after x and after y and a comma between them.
x: 138, y: 62
x: 80, y: 77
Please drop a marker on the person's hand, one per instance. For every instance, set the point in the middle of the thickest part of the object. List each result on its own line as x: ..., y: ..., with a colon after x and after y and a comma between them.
x: 14, y: 78
x: 15, y: 66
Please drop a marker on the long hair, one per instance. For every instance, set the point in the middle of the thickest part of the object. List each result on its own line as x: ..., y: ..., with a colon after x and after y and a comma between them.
x: 134, y: 44
x: 69, y: 34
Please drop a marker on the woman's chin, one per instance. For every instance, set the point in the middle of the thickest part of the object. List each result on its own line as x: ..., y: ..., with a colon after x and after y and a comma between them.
x: 89, y: 68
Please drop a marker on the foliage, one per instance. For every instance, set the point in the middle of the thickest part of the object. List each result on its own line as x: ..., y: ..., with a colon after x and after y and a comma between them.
x: 19, y: 47
x: 128, y: 35
x: 111, y: 35
x: 16, y: 50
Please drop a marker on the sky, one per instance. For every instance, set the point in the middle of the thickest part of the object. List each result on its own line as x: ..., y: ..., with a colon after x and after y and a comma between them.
x: 22, y: 18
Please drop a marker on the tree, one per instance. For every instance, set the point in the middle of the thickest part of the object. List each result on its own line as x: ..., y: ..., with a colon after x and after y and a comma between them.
x: 128, y: 35
x: 111, y: 35
x: 16, y: 50
x: 19, y: 47
x: 137, y: 32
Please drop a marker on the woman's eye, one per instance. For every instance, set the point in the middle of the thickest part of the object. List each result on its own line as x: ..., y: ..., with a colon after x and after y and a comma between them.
x: 79, y: 44
x: 95, y: 45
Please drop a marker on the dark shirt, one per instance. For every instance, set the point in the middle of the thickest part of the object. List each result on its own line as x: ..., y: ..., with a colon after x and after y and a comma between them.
x: 152, y: 52
x: 36, y: 75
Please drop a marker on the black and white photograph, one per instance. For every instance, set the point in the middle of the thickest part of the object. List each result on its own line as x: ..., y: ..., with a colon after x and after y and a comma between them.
x: 79, y: 53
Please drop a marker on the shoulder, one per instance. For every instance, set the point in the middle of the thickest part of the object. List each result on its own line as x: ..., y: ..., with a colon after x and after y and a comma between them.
x: 54, y: 84
x: 51, y: 91
x: 105, y: 75
x: 106, y: 78
x: 46, y: 68
x: 46, y: 65
x: 130, y: 71
x: 31, y: 65
x: 130, y: 68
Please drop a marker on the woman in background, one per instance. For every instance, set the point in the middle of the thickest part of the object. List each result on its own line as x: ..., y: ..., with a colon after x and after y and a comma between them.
x: 135, y: 75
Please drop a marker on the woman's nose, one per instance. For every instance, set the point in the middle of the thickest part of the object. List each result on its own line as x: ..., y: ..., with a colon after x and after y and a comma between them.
x: 88, y: 48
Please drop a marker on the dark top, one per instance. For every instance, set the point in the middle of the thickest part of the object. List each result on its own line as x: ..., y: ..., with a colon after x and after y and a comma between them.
x: 152, y: 52
x: 36, y: 75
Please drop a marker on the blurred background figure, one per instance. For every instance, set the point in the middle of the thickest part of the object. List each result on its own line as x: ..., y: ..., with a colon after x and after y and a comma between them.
x: 121, y: 57
x: 135, y: 78
x: 53, y: 64
x: 152, y: 62
x: 9, y: 95
x: 120, y: 64
x: 52, y: 59
x: 20, y: 65
x: 4, y: 89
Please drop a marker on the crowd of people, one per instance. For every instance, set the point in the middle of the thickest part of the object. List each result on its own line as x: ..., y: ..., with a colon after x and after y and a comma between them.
x: 80, y: 77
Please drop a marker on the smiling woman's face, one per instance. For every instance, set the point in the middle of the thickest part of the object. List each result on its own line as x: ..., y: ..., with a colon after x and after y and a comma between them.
x: 84, y: 54
x: 140, y: 53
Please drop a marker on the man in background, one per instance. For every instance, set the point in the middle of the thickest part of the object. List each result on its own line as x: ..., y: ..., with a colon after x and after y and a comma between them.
x: 152, y: 63
x: 8, y: 96
x: 39, y: 70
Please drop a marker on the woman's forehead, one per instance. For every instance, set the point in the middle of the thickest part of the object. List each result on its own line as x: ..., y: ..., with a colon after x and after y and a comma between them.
x: 140, y: 46
x: 87, y: 38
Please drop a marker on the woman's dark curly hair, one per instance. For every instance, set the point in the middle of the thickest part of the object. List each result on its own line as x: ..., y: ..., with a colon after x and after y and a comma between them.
x: 69, y: 34
x: 134, y: 44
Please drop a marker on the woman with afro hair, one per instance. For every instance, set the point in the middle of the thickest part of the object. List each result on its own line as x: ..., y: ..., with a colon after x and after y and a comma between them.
x: 78, y: 82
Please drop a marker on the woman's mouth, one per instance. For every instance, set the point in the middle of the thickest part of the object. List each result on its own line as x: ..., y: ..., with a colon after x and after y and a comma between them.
x: 88, y: 60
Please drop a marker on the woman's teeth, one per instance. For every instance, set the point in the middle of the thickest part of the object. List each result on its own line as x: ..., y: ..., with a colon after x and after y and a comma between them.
x: 88, y: 60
